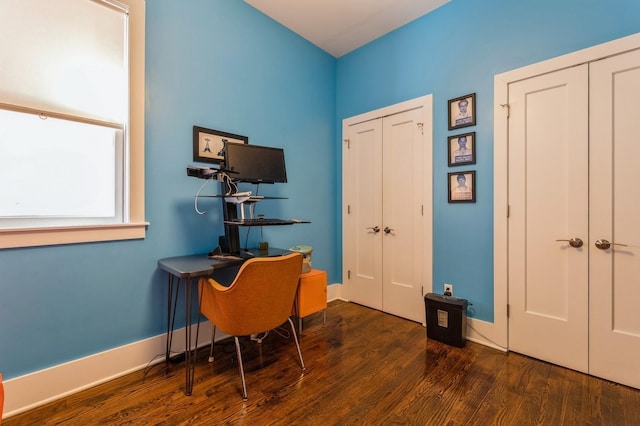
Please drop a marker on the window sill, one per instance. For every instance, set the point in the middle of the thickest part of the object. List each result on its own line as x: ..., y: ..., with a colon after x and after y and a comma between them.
x: 14, y: 238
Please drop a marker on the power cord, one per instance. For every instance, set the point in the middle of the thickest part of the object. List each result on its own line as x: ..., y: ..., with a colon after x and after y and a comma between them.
x: 219, y: 176
x: 233, y: 188
x: 195, y: 202
x: 258, y: 338
x: 486, y: 338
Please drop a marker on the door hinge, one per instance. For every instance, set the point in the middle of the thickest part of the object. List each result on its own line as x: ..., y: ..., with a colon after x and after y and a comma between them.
x: 508, y: 107
x: 508, y: 210
x: 508, y: 310
x: 349, y: 275
x: 422, y: 290
x: 348, y: 142
x: 348, y: 209
x: 421, y: 126
x: 422, y: 212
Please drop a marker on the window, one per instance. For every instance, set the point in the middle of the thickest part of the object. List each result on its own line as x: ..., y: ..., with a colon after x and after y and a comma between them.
x: 71, y: 121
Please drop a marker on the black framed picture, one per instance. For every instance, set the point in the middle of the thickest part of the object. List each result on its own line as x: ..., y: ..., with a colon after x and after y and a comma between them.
x: 208, y: 144
x: 462, y: 149
x: 462, y: 187
x: 462, y: 111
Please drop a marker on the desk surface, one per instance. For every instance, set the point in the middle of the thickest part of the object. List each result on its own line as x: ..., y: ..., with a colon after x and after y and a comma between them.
x: 200, y: 265
x: 197, y: 265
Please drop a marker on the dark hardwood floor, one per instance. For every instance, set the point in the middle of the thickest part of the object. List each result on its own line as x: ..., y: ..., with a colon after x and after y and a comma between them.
x: 364, y: 367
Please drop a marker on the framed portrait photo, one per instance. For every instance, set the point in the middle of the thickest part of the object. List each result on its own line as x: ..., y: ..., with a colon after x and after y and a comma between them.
x: 462, y: 111
x: 462, y: 149
x: 462, y: 187
x: 208, y: 144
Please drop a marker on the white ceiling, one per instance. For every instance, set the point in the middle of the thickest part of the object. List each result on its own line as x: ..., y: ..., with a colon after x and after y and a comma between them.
x: 340, y: 26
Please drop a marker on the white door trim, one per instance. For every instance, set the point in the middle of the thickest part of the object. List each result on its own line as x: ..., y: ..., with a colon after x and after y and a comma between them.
x: 499, y: 332
x: 423, y: 101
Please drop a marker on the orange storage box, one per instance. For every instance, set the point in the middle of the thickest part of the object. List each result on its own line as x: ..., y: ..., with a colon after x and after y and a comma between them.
x: 312, y: 293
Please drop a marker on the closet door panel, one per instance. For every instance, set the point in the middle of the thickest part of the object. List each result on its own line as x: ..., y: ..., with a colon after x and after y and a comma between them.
x: 403, y: 222
x: 548, y: 199
x: 363, y: 243
x: 615, y: 209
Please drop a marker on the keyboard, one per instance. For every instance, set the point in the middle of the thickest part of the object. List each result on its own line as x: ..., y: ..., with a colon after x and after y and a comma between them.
x: 260, y: 222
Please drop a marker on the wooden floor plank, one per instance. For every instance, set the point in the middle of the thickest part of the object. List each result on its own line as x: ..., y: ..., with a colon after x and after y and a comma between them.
x: 363, y: 367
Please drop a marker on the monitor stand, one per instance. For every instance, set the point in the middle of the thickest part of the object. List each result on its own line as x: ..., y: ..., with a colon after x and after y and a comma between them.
x: 231, y: 232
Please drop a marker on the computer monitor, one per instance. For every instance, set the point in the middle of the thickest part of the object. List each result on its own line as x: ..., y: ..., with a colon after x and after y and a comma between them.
x: 254, y: 163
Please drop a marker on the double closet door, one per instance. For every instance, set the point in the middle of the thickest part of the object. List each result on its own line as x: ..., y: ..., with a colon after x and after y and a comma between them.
x: 574, y: 202
x: 385, y: 220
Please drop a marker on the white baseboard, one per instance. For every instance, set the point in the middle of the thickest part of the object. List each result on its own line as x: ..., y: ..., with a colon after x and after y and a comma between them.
x: 41, y: 387
x: 334, y: 292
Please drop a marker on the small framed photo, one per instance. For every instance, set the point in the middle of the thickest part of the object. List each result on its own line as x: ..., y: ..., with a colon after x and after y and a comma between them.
x: 462, y: 187
x: 462, y: 149
x: 462, y: 111
x: 208, y: 144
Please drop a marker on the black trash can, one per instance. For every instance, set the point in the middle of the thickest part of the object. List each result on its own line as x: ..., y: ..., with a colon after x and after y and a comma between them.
x: 446, y: 319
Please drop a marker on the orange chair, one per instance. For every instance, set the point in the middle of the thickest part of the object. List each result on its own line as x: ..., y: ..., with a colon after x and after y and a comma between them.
x: 258, y: 300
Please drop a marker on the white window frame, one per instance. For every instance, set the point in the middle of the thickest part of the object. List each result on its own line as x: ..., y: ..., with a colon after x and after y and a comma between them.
x: 135, y: 227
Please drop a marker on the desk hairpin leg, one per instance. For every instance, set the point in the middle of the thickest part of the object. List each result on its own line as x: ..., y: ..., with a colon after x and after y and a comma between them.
x: 189, y: 364
x: 189, y: 350
x: 191, y: 347
x: 172, y: 303
x: 195, y: 349
x: 187, y: 337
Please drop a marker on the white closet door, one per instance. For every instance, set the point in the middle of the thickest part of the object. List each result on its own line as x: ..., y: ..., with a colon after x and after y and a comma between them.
x: 548, y: 199
x: 363, y: 241
x: 614, y: 330
x: 577, y: 306
x: 403, y: 222
x: 386, y: 242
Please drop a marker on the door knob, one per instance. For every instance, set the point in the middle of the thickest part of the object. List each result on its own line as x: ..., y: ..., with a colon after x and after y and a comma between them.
x: 387, y: 230
x: 575, y: 242
x: 604, y: 244
x: 375, y: 229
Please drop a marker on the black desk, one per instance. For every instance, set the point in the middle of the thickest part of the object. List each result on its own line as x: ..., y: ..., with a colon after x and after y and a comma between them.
x: 185, y: 269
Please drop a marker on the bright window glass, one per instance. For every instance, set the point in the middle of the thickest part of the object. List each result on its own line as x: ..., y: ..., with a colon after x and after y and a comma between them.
x: 60, y: 171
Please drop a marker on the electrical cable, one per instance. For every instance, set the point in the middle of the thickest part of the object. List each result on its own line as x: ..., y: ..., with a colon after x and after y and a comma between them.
x: 233, y: 188
x: 282, y: 332
x: 195, y: 202
x: 258, y: 338
x: 246, y: 239
x: 486, y: 338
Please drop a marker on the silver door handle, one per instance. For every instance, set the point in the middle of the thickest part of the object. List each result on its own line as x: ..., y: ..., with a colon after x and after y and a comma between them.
x: 604, y: 244
x: 375, y: 229
x: 574, y: 242
x: 387, y: 230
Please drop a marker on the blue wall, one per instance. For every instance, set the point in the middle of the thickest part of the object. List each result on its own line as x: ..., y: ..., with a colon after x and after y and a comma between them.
x: 223, y: 65
x: 217, y: 64
x: 454, y: 51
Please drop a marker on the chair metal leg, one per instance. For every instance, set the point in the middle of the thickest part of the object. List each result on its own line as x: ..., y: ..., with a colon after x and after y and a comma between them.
x: 239, y: 354
x: 213, y: 339
x: 295, y: 337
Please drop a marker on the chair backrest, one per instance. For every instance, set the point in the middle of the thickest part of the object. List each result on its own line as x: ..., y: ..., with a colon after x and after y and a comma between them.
x: 259, y: 298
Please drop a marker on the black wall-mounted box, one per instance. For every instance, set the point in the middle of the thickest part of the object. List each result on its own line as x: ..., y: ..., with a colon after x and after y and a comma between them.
x: 446, y: 319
